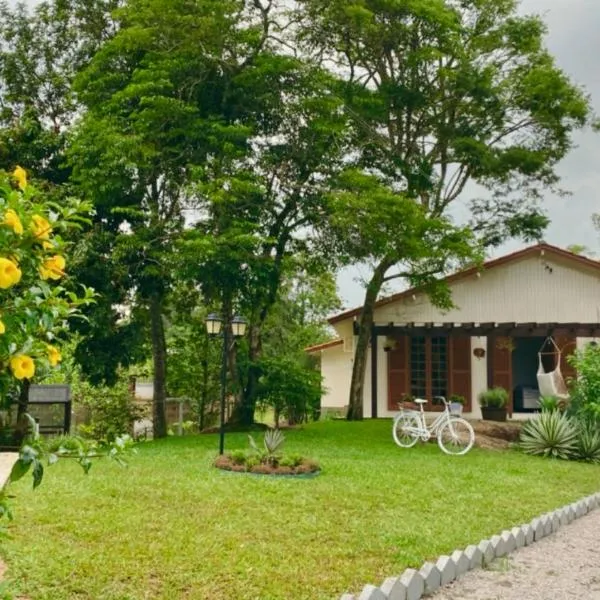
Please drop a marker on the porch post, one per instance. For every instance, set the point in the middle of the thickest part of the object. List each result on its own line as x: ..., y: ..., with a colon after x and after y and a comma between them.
x: 491, y: 344
x: 373, y: 372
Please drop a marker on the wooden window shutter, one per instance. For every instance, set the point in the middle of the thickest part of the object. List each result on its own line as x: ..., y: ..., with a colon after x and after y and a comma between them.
x: 459, y: 373
x: 398, y: 372
x: 501, y: 353
x: 568, y: 346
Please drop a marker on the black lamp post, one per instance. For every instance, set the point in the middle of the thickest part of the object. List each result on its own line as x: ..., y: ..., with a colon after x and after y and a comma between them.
x: 214, y: 326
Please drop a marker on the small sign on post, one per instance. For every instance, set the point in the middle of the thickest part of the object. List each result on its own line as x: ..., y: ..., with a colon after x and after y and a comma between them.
x: 50, y: 405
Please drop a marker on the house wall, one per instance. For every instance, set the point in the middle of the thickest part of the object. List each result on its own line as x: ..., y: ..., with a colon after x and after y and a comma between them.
x: 479, y: 382
x: 542, y: 288
x: 582, y: 342
x: 336, y: 369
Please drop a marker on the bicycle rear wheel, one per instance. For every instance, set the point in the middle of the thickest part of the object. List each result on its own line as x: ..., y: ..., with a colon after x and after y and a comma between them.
x: 405, y: 429
x: 456, y: 437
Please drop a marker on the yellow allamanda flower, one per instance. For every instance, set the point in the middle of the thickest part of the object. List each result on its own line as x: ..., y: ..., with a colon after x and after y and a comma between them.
x: 2, y: 328
x: 54, y: 355
x: 20, y: 174
x: 10, y: 274
x: 53, y: 267
x: 11, y: 219
x: 22, y: 366
x: 40, y: 227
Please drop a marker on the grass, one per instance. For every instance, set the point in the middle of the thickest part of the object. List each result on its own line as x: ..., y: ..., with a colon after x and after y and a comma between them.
x: 170, y: 526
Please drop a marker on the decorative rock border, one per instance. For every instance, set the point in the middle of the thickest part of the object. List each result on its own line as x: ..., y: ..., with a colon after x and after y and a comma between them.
x: 413, y: 584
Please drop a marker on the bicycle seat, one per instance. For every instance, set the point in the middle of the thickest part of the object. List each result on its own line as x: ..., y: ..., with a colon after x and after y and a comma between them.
x: 420, y: 401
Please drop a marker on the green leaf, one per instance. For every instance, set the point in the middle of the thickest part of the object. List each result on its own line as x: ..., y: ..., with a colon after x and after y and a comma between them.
x: 86, y: 464
x: 19, y: 469
x: 38, y: 473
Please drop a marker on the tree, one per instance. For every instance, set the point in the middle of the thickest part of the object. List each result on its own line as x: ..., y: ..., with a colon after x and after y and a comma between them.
x: 35, y: 307
x: 369, y: 221
x: 445, y: 94
x: 42, y: 51
x: 170, y: 95
x: 263, y: 204
x: 194, y: 359
x: 289, y: 378
x: 580, y: 249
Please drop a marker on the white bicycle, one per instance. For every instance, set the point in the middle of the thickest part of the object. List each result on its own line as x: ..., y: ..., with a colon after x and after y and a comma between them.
x: 455, y: 435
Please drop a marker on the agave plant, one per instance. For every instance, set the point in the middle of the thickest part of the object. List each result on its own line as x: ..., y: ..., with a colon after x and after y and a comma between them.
x: 552, y: 434
x: 588, y: 443
x: 273, y: 441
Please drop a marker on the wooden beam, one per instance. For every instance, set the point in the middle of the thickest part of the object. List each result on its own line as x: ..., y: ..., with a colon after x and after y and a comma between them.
x: 529, y: 329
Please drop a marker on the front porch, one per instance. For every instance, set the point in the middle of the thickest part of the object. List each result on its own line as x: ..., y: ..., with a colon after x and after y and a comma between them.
x: 443, y: 359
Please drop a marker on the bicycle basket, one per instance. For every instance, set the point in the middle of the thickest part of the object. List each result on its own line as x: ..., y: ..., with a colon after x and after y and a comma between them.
x: 456, y: 408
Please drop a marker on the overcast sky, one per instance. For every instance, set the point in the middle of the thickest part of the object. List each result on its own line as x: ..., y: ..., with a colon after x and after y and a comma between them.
x: 573, y: 39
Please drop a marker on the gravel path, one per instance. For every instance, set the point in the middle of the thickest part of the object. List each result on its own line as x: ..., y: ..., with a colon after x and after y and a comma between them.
x: 563, y: 566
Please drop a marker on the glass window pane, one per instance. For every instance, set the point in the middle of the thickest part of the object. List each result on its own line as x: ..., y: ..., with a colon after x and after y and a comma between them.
x: 439, y: 368
x: 418, y: 367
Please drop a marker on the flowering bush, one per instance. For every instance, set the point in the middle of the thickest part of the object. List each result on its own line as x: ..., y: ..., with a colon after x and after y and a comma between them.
x: 35, y: 307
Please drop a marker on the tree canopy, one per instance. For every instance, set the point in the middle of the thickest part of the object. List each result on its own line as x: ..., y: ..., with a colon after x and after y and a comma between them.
x: 237, y: 150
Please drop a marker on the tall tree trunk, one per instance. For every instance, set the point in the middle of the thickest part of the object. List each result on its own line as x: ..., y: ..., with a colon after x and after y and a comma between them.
x: 22, y: 424
x: 159, y: 357
x: 23, y: 399
x: 243, y: 413
x: 365, y: 322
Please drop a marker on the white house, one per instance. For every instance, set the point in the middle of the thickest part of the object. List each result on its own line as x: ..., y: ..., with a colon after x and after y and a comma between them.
x: 504, y: 314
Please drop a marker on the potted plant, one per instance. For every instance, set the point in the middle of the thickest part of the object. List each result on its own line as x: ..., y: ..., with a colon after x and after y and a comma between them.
x: 456, y: 404
x: 493, y: 404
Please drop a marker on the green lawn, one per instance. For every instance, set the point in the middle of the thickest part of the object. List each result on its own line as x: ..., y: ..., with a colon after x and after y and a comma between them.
x: 172, y: 527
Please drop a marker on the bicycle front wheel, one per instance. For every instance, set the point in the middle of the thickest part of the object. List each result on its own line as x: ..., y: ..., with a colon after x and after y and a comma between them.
x: 456, y: 437
x: 405, y: 430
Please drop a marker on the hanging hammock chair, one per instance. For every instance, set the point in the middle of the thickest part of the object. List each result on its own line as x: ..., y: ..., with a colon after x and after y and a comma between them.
x: 551, y: 383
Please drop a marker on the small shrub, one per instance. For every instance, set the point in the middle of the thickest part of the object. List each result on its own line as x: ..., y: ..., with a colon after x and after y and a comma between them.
x: 290, y: 388
x: 266, y: 459
x: 252, y: 461
x: 291, y: 460
x: 552, y: 404
x: 113, y: 411
x: 552, y: 434
x: 458, y: 399
x: 585, y: 389
x: 495, y: 398
x: 238, y: 457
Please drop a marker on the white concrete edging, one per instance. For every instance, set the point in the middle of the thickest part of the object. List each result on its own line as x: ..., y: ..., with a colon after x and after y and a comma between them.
x: 7, y: 461
x: 413, y: 584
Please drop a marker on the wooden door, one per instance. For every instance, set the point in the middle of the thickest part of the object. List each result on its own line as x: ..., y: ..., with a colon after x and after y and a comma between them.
x: 398, y: 372
x: 459, y: 371
x: 501, y: 366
